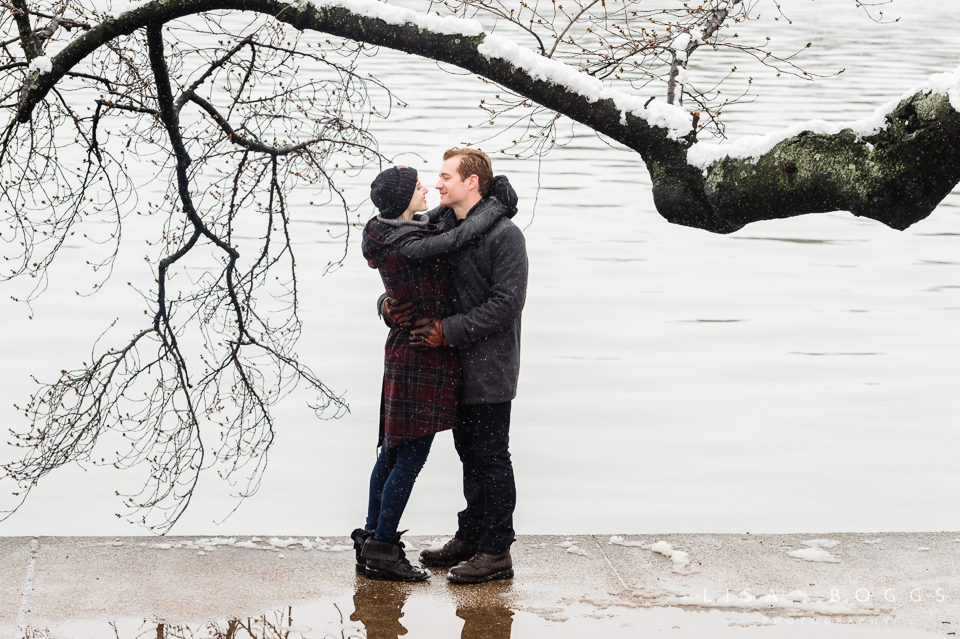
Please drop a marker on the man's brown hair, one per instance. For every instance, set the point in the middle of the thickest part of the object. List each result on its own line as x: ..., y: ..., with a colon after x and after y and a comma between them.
x: 473, y: 162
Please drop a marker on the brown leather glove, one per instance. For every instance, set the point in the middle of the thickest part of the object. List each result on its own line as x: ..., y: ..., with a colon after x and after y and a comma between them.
x: 399, y: 314
x: 427, y: 333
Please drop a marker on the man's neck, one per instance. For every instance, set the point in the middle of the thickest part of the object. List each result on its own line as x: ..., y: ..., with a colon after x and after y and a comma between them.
x: 461, y: 209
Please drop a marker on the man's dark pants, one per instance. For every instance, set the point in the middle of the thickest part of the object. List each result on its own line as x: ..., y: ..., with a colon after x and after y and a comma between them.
x: 482, y: 438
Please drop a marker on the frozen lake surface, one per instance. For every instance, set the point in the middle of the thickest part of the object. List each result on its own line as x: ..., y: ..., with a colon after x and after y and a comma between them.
x: 795, y: 376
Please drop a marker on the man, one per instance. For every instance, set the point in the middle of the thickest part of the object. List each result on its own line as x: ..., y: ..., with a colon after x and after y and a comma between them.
x: 489, y: 284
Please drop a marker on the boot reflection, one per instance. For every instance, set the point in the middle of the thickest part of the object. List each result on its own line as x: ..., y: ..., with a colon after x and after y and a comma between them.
x: 379, y: 606
x: 485, y: 614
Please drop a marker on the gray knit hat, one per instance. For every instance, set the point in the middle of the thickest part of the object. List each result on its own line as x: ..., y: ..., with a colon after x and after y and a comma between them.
x: 393, y: 189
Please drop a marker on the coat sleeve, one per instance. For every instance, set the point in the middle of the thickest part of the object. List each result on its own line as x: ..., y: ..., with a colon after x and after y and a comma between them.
x: 433, y: 215
x: 380, y: 310
x: 509, y: 292
x: 422, y: 248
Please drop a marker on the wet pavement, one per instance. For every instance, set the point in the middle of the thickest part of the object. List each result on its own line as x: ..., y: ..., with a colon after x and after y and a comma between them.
x: 825, y: 585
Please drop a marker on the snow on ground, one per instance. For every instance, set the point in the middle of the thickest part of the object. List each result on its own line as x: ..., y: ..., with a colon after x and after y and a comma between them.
x: 573, y: 548
x: 619, y: 541
x: 435, y: 544
x: 820, y: 543
x: 680, y: 558
x: 794, y: 603
x: 275, y: 544
x: 814, y: 554
x: 816, y: 550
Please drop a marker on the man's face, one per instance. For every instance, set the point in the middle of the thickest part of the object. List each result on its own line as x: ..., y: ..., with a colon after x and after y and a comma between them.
x: 453, y: 190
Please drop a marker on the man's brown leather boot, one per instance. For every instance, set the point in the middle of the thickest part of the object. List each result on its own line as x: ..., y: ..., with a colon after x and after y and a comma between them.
x: 482, y: 567
x: 451, y: 554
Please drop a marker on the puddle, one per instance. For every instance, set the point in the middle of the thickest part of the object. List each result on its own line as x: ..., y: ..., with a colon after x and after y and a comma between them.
x: 383, y: 610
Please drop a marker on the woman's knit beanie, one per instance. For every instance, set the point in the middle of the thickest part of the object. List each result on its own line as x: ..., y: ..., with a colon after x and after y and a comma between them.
x: 393, y: 189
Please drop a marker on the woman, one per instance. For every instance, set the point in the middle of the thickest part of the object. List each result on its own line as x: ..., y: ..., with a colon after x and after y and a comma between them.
x: 420, y: 388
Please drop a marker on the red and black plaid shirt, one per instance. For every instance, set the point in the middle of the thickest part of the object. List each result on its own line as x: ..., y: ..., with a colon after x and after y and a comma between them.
x: 420, y: 388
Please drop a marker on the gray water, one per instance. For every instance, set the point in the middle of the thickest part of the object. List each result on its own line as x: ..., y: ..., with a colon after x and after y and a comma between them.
x: 798, y: 375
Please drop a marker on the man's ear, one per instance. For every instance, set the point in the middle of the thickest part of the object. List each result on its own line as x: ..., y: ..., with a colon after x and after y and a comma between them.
x: 473, y: 182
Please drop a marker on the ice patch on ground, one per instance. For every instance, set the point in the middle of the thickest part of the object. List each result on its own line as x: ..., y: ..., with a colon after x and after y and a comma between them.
x: 871, y: 541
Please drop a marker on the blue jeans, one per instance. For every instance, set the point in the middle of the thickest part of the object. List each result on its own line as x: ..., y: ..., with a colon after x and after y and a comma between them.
x: 392, y: 482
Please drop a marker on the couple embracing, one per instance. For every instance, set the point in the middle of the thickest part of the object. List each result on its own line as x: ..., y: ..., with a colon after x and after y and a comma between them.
x: 455, y: 280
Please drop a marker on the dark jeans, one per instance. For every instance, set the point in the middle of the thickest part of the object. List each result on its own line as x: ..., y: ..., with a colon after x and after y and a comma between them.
x: 482, y: 436
x: 391, y: 483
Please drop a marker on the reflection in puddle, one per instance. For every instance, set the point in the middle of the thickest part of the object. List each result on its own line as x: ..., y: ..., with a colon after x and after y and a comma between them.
x: 387, y: 610
x: 379, y: 609
x: 378, y: 606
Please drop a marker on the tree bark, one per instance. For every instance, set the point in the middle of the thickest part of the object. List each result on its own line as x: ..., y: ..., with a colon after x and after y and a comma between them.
x: 896, y: 177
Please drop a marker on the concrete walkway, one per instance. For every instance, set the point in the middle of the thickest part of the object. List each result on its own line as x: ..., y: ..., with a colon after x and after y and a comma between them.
x: 824, y: 585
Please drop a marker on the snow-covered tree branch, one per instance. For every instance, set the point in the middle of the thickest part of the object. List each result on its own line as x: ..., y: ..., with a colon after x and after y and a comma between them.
x: 894, y: 171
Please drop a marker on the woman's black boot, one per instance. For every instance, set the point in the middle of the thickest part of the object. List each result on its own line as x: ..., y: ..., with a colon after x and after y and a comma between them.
x: 359, y: 536
x: 385, y: 560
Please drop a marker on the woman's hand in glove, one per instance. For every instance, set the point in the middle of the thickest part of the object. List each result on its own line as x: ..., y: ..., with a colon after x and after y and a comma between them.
x: 401, y: 315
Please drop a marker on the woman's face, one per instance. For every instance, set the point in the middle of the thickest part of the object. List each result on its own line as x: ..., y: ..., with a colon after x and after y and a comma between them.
x: 419, y: 200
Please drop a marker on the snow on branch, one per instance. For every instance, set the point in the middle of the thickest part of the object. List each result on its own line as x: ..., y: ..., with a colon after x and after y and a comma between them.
x: 400, y: 16
x: 752, y: 147
x: 674, y: 119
